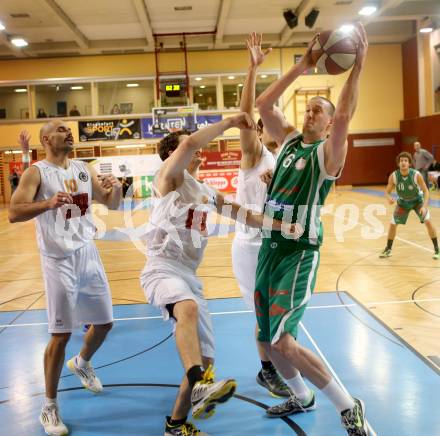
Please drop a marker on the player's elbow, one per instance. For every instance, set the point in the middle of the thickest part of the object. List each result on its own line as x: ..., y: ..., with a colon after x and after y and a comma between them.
x: 263, y: 103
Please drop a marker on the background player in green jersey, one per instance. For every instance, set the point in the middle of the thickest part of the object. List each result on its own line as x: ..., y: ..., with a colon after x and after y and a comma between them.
x: 412, y: 194
x: 286, y: 272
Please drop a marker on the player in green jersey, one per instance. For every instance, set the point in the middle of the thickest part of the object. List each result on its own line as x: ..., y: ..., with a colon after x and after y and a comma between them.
x: 308, y: 164
x: 412, y: 194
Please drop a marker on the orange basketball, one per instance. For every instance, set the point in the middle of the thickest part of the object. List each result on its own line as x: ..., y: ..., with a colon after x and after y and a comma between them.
x: 334, y: 52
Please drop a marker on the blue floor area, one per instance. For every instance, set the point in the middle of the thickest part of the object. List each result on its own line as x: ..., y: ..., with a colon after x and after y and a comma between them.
x: 432, y: 203
x: 139, y: 366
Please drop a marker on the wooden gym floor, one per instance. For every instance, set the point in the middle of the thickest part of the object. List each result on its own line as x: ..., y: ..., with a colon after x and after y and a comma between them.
x: 402, y: 291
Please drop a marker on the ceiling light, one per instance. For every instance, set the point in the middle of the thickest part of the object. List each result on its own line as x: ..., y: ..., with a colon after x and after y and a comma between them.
x: 263, y: 76
x: 198, y: 79
x: 76, y: 88
x: 131, y: 146
x: 427, y: 29
x: 368, y: 10
x: 346, y: 28
x: 2, y: 27
x: 240, y: 85
x: 20, y: 90
x: 19, y: 42
x: 132, y: 85
x: 231, y: 77
x: 203, y: 86
x: 200, y: 95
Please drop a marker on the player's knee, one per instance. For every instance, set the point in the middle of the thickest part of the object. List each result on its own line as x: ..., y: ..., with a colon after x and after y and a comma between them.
x: 286, y: 345
x: 60, y: 339
x: 186, y: 311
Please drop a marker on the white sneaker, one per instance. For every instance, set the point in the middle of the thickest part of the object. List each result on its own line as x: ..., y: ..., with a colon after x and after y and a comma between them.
x: 207, y: 393
x: 86, y: 375
x: 51, y: 421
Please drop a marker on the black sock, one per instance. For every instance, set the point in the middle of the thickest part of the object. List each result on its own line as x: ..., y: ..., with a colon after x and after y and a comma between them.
x: 267, y: 365
x: 435, y: 242
x: 194, y: 375
x: 176, y: 422
x: 389, y: 244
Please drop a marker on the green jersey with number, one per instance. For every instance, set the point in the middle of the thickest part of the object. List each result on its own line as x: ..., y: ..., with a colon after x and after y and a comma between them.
x: 299, y: 187
x: 407, y: 188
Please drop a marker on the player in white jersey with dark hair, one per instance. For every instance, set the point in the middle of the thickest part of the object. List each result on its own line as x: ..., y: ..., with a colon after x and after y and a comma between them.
x: 176, y: 238
x: 58, y: 192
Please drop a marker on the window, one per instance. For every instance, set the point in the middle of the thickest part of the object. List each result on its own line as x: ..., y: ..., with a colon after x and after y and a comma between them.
x: 126, y: 97
x: 205, y: 92
x: 61, y: 100
x: 14, y: 102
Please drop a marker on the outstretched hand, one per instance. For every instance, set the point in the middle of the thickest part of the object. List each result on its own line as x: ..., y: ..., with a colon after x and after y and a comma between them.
x: 256, y: 54
x: 362, y: 44
x: 24, y: 140
x: 307, y: 59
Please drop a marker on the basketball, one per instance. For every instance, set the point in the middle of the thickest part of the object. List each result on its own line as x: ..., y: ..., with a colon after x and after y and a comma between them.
x: 334, y: 52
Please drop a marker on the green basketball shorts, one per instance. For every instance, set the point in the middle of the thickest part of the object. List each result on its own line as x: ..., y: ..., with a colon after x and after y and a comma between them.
x: 285, y: 281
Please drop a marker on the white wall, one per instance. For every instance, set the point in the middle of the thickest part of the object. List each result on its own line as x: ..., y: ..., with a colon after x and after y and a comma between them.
x: 142, y: 97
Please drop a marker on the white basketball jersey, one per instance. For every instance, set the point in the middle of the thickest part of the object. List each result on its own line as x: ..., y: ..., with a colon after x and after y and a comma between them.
x: 177, y: 229
x: 251, y: 192
x: 62, y: 231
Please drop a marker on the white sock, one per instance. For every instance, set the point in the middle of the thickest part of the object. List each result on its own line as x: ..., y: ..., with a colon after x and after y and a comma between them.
x: 50, y: 402
x: 81, y: 363
x: 337, y: 396
x: 299, y: 388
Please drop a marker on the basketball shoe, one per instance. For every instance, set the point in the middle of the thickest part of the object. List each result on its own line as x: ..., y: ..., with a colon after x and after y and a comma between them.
x: 51, y: 421
x: 271, y: 380
x: 291, y: 406
x: 385, y: 253
x: 206, y: 393
x: 354, y: 421
x: 86, y: 376
x: 186, y: 429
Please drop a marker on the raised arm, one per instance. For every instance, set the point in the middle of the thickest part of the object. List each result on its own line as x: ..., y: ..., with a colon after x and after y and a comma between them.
x: 23, y: 207
x: 273, y: 119
x: 24, y: 140
x: 249, y: 142
x: 390, y: 188
x: 171, y: 173
x: 335, y: 148
x: 108, y: 191
x: 253, y: 219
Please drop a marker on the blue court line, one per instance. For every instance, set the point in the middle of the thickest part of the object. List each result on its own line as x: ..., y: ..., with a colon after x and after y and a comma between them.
x: 399, y: 390
x: 433, y: 203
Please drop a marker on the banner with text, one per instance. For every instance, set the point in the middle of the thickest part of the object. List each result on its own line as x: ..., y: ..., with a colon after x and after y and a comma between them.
x: 225, y: 181
x: 218, y: 160
x: 178, y: 121
x: 109, y: 130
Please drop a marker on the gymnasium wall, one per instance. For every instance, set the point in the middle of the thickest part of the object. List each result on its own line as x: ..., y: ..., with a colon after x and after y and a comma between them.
x: 410, y: 78
x: 424, y: 129
x: 380, y: 107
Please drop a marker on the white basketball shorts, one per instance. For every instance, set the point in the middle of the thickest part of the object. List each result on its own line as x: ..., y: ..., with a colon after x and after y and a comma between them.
x: 77, y: 290
x: 244, y: 266
x: 167, y: 282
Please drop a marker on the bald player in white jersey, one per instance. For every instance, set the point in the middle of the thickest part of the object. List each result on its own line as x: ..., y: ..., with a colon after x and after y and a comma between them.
x: 58, y: 192
x: 176, y: 239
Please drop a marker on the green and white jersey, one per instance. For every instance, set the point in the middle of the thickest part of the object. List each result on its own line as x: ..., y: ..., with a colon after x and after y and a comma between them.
x: 299, y: 187
x: 407, y: 188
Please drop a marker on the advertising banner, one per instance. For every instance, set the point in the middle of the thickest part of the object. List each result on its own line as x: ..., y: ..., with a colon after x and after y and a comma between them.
x: 217, y: 160
x: 224, y: 181
x: 109, y: 130
x: 128, y: 166
x: 178, y: 121
x: 17, y: 167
